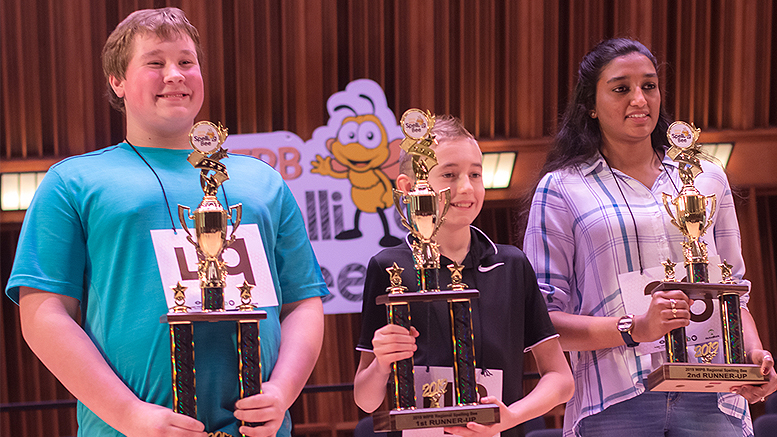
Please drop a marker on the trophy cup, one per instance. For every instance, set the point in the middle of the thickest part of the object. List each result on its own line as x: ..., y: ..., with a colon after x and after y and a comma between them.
x: 423, y: 218
x: 689, y: 212
x: 210, y: 240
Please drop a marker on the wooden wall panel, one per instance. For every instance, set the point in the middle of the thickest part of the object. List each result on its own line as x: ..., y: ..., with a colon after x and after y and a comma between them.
x: 506, y: 67
x: 23, y: 378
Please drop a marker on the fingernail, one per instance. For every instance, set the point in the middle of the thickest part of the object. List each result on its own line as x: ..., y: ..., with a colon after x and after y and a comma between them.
x: 735, y: 391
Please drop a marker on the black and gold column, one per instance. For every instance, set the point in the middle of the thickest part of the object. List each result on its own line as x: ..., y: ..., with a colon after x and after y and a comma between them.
x: 401, y: 383
x: 463, y: 342
x: 249, y: 349
x: 731, y: 321
x: 182, y: 359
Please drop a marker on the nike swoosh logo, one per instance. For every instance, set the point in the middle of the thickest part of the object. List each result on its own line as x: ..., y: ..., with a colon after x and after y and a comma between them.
x: 482, y: 269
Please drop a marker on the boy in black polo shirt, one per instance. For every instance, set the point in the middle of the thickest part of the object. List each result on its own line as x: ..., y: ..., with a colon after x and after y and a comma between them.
x: 509, y: 317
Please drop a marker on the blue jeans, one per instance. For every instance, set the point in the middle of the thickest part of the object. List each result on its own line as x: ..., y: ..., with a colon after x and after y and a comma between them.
x: 658, y: 414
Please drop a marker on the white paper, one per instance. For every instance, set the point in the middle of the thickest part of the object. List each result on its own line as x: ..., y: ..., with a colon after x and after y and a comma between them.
x: 245, y: 258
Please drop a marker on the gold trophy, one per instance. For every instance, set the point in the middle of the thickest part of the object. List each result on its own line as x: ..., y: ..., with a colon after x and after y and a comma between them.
x: 210, y: 218
x: 210, y: 240
x: 423, y: 218
x: 692, y: 214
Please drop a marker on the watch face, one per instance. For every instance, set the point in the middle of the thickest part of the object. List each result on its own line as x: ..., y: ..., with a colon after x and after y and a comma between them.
x: 625, y: 323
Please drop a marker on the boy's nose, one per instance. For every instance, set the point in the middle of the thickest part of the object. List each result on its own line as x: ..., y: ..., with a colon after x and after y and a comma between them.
x: 465, y: 185
x: 173, y: 74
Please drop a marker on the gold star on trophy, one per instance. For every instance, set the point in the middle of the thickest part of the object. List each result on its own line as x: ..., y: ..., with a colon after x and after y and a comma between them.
x: 395, y: 276
x: 180, y: 299
x: 245, y: 297
x: 669, y: 270
x: 725, y: 272
x: 456, y: 269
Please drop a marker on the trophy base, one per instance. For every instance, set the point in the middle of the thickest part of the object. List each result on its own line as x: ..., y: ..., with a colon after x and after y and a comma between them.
x: 700, y: 290
x: 426, y: 296
x: 214, y: 316
x: 398, y: 420
x: 711, y: 378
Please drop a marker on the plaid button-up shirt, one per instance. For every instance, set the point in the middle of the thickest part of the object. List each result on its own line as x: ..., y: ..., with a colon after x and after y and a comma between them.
x: 581, y: 236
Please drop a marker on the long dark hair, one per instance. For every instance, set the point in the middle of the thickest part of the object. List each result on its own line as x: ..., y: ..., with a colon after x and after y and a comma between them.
x: 579, y: 136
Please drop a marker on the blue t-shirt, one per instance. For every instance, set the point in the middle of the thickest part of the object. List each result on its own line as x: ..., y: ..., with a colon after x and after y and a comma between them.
x: 87, y: 235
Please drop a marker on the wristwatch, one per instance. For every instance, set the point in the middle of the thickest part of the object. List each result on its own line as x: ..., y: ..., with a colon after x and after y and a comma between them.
x: 625, y: 326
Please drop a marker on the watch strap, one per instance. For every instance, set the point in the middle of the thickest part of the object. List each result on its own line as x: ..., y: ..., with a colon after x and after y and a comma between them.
x: 628, y: 339
x: 625, y: 327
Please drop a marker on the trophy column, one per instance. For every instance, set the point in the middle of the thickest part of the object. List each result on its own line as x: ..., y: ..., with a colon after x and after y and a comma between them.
x: 182, y: 354
x: 250, y: 361
x: 466, y: 388
x: 463, y: 352
x: 401, y: 383
x: 182, y: 357
x: 248, y: 348
x: 731, y: 321
x: 676, y: 345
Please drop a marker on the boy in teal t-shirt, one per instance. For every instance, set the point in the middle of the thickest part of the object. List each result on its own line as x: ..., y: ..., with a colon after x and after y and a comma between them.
x: 87, y: 244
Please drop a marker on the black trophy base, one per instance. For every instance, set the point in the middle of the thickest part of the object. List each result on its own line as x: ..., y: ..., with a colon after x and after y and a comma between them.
x: 700, y: 290
x: 426, y: 296
x: 214, y: 316
x: 398, y: 420
x: 711, y: 378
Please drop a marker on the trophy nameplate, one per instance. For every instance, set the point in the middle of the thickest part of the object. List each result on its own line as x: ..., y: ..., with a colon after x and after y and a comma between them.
x: 703, y: 377
x: 417, y: 418
x: 689, y: 213
x: 423, y: 215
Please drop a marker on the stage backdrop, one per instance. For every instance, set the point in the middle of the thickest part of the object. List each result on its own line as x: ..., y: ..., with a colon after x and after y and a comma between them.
x: 342, y: 179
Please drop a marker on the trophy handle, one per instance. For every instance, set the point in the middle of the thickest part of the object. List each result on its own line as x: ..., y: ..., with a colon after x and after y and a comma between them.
x: 236, y: 213
x: 398, y: 201
x: 182, y: 219
x: 714, y: 201
x: 667, y: 198
x: 445, y: 196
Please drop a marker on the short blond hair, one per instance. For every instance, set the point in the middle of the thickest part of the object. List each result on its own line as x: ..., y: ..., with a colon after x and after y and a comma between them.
x: 446, y: 128
x: 166, y: 23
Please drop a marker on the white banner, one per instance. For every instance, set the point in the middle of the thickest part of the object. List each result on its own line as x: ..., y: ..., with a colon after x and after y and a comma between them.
x: 342, y: 180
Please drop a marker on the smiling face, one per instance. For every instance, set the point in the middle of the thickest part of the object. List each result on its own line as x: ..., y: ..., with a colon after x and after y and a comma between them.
x: 628, y: 100
x: 361, y: 143
x: 163, y: 89
x: 460, y: 168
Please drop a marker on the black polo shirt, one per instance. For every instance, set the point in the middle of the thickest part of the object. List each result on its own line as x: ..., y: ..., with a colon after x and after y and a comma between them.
x: 509, y: 316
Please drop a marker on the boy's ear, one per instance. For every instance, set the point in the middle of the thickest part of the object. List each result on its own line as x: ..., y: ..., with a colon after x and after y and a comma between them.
x: 117, y: 85
x: 404, y: 184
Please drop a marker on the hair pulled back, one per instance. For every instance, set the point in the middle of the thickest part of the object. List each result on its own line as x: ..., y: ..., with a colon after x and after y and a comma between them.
x: 579, y: 137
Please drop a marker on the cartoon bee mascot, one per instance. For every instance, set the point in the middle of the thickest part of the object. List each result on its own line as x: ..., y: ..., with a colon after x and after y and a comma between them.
x: 361, y: 151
